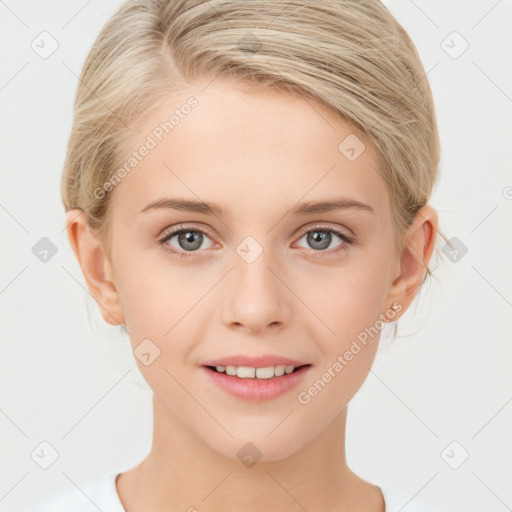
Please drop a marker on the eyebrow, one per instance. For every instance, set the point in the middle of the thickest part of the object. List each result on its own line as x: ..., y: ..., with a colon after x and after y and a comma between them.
x: 306, y: 208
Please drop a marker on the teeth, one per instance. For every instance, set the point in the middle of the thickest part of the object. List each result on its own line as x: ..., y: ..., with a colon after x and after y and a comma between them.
x: 248, y: 372
x: 265, y: 373
x: 279, y: 370
x: 245, y: 372
x: 231, y: 370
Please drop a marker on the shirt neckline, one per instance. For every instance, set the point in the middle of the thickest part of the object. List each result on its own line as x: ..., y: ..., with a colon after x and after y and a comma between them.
x: 391, y: 498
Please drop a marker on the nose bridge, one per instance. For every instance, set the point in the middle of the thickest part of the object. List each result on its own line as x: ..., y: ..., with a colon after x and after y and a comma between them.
x: 254, y: 298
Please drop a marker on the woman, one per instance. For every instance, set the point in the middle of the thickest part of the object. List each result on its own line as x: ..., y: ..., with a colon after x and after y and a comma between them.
x: 246, y: 189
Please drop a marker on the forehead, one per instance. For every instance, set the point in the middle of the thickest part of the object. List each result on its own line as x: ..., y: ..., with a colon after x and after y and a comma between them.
x: 250, y: 145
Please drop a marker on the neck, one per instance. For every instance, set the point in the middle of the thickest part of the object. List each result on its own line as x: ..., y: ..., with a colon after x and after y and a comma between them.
x: 182, y: 472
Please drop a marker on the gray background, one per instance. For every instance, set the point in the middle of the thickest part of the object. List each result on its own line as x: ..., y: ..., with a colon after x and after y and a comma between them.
x: 69, y: 379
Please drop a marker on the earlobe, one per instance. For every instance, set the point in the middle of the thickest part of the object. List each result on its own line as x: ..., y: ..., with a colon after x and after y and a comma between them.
x: 419, y: 246
x: 95, y: 266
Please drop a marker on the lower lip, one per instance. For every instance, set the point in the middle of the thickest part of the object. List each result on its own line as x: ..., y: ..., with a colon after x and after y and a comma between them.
x: 257, y: 390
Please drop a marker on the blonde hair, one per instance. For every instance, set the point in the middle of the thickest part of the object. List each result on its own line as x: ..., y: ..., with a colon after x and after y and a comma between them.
x: 349, y: 55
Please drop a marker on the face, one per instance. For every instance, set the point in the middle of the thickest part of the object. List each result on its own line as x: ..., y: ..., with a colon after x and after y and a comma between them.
x: 260, y: 276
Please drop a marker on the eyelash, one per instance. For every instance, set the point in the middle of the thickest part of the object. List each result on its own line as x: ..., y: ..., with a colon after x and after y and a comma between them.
x: 347, y: 241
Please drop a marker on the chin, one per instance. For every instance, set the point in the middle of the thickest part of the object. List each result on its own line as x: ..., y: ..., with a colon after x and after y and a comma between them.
x: 250, y: 450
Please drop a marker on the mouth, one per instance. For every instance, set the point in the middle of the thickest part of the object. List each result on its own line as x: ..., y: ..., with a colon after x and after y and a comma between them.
x: 256, y: 384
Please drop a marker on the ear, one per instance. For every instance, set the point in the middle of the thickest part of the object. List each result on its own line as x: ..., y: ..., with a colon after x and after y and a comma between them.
x: 95, y: 265
x: 412, y: 266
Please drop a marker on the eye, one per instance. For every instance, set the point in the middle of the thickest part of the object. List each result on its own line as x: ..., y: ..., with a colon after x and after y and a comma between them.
x: 191, y: 239
x: 188, y: 240
x: 320, y: 239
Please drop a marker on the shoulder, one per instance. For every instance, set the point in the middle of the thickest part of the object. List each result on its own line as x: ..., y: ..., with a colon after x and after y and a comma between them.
x: 99, y: 495
x: 396, y: 500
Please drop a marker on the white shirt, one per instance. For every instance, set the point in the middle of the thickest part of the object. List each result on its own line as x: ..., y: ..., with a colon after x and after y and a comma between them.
x: 102, y: 495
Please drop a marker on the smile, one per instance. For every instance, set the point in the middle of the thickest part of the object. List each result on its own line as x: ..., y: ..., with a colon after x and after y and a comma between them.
x: 256, y: 384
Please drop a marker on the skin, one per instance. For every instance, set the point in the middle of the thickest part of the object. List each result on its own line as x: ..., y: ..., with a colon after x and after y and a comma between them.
x: 256, y: 153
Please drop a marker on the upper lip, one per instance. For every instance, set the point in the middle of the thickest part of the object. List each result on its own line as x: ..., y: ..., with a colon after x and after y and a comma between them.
x: 261, y: 361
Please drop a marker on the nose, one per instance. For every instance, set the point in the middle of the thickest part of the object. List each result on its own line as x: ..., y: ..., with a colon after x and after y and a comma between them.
x: 255, y: 298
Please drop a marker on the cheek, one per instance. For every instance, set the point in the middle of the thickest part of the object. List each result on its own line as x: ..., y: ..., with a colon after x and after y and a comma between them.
x: 346, y: 300
x: 155, y: 292
x: 163, y: 305
x: 348, y: 304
